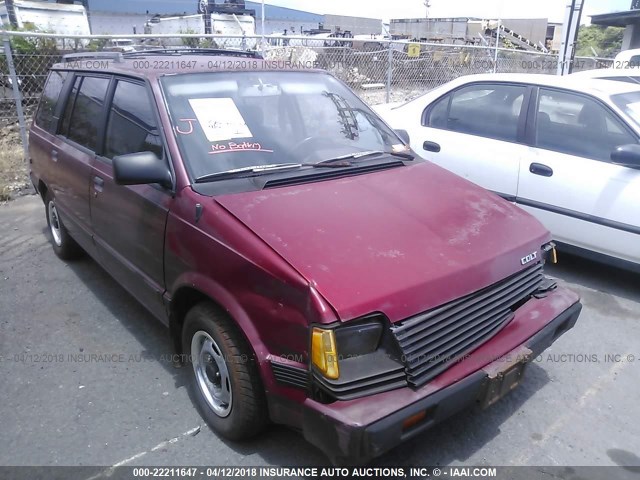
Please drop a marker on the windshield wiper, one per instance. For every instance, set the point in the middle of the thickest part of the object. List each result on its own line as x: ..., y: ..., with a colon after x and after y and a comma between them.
x: 342, y: 160
x: 335, y: 162
x: 236, y: 172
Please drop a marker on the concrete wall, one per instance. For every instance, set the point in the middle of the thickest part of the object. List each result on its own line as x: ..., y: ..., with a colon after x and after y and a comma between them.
x: 631, y: 37
x: 356, y: 25
x: 430, y: 28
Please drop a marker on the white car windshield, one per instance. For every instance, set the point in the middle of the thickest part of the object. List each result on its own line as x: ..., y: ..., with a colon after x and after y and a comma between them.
x: 231, y: 120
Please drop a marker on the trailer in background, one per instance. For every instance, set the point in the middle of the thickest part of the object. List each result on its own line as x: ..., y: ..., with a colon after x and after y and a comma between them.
x: 45, y: 17
x: 232, y: 24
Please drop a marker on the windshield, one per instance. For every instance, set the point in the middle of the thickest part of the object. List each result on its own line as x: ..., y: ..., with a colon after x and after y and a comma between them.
x: 230, y: 120
x: 629, y: 103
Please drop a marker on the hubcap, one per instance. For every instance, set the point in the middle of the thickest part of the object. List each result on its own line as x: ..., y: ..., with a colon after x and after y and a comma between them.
x: 211, y: 373
x: 54, y: 224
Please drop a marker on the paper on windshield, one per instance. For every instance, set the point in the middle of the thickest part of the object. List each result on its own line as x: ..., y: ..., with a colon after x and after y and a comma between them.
x: 220, y: 118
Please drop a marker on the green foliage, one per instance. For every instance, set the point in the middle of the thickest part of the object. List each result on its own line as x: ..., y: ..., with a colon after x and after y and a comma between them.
x: 97, y: 44
x: 194, y: 42
x: 191, y: 42
x: 32, y: 57
x: 606, y: 41
x: 32, y: 45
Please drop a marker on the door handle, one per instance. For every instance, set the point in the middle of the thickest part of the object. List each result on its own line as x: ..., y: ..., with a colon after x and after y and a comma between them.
x: 98, y: 183
x: 540, y: 169
x: 54, y: 155
x: 431, y: 146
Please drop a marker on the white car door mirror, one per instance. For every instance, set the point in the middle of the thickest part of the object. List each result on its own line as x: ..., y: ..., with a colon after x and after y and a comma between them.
x: 627, y: 155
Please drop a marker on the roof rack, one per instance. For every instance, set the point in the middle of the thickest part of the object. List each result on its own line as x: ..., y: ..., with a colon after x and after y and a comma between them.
x: 69, y: 57
x: 194, y: 51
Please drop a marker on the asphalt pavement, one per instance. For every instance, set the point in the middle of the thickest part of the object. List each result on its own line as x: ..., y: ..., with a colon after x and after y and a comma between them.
x: 86, y: 378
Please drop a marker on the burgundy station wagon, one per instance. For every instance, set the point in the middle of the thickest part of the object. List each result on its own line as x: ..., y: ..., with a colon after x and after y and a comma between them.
x: 311, y: 270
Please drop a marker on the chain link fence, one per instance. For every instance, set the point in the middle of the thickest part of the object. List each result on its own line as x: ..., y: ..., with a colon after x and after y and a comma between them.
x: 379, y: 71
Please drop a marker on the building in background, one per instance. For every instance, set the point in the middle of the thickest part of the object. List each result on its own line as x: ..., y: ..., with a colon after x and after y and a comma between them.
x: 529, y: 34
x: 119, y: 17
x: 629, y: 19
x: 281, y: 19
x: 355, y: 25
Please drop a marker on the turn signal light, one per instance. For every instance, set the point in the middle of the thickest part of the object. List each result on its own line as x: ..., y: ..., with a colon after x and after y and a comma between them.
x: 414, y: 420
x: 549, y: 252
x: 324, y: 354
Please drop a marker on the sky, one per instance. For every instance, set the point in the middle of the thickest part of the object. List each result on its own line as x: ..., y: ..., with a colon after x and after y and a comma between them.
x: 552, y: 9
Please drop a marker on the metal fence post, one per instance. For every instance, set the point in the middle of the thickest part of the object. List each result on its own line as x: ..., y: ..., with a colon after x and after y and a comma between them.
x: 389, y: 70
x: 16, y: 94
x: 495, y: 57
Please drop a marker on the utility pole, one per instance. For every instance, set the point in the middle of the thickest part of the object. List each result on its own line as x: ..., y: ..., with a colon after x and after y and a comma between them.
x: 427, y: 6
x: 11, y: 13
x: 203, y: 8
x: 570, y: 28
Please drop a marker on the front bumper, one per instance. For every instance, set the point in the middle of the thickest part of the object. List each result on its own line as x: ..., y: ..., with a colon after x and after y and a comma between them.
x: 355, y: 432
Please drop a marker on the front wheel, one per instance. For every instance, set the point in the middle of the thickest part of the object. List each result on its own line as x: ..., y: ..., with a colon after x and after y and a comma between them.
x: 226, y: 381
x: 63, y: 245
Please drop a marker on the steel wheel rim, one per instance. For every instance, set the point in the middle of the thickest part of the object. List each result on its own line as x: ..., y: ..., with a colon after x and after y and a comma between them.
x: 54, y: 224
x: 212, y: 375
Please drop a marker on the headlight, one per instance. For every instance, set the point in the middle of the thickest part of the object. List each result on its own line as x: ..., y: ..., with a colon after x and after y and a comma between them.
x: 355, y: 359
x: 359, y: 338
x: 329, y: 346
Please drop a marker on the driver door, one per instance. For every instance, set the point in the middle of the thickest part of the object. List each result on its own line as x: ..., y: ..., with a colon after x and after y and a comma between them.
x: 129, y: 221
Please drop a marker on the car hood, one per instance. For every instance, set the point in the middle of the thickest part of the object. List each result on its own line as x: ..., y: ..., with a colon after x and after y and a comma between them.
x: 399, y: 241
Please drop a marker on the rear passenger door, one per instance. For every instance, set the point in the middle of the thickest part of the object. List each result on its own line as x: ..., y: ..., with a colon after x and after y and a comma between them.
x: 129, y: 221
x: 568, y: 180
x: 475, y: 131
x: 74, y: 153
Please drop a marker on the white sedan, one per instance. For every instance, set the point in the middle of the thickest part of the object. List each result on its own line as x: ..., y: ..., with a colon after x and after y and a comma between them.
x: 566, y: 149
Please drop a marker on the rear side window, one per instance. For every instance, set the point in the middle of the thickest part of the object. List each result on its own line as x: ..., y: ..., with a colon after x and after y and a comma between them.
x: 45, y: 117
x: 86, y: 112
x: 485, y: 110
x: 132, y: 125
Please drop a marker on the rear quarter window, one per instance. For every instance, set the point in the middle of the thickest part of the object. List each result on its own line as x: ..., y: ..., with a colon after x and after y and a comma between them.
x: 45, y: 118
x: 84, y: 117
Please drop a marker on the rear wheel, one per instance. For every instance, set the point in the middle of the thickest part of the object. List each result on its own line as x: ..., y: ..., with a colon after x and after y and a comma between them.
x: 226, y: 381
x: 63, y: 245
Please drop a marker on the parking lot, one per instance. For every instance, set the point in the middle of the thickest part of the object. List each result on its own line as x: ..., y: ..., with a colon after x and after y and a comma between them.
x: 87, y: 379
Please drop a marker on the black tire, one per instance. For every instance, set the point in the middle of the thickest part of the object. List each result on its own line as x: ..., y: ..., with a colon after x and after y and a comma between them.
x: 64, y: 246
x: 247, y: 415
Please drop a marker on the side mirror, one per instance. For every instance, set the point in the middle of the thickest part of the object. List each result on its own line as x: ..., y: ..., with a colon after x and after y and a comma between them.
x: 627, y: 156
x: 404, y: 135
x: 141, y: 168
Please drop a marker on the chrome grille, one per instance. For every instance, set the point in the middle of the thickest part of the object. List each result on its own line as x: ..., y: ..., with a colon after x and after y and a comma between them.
x: 431, y: 340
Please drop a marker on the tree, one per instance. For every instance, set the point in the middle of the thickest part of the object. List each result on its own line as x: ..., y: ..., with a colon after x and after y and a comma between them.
x: 606, y: 41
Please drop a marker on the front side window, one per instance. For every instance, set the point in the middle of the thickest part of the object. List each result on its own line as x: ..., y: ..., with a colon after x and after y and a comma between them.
x: 578, y: 125
x: 45, y: 116
x: 131, y: 126
x: 229, y: 120
x: 86, y: 115
x: 485, y: 110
